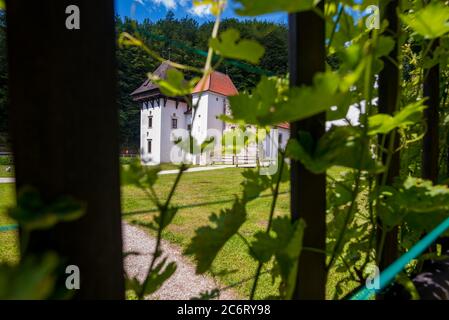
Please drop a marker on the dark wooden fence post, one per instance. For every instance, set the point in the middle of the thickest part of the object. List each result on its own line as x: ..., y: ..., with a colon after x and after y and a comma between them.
x: 431, y: 88
x: 308, y: 190
x: 388, y: 101
x: 64, y: 129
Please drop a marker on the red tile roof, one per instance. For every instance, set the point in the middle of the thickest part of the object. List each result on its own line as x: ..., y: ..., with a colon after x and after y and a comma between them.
x: 284, y: 125
x: 217, y: 82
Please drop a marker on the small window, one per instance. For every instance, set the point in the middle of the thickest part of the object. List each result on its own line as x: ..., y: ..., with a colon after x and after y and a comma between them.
x: 150, y: 122
x: 149, y: 145
x: 174, y: 123
x: 280, y: 138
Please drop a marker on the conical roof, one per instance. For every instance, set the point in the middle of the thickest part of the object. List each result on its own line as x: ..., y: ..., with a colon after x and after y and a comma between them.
x: 161, y: 72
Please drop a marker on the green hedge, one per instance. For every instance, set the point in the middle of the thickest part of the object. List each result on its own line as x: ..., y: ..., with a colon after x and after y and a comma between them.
x: 126, y: 160
x: 6, y: 160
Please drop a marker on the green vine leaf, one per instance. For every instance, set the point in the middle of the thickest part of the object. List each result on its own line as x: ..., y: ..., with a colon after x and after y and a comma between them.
x: 306, y: 101
x: 33, y: 213
x: 174, y: 85
x: 285, y: 244
x: 259, y: 7
x: 267, y: 105
x: 140, y: 176
x: 229, y: 45
x: 340, y: 146
x: 208, y: 241
x: 431, y: 22
x: 247, y: 108
x: 383, y: 123
x: 384, y: 46
x: 289, y: 238
x: 417, y: 202
x: 33, y: 279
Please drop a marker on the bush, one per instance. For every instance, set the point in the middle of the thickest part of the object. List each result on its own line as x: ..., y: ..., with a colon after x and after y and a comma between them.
x: 6, y: 160
x: 126, y: 160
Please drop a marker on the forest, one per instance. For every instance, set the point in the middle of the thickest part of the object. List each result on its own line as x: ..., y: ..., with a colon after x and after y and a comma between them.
x: 182, y: 40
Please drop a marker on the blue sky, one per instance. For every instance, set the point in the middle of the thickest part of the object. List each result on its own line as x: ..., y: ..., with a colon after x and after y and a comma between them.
x: 157, y: 9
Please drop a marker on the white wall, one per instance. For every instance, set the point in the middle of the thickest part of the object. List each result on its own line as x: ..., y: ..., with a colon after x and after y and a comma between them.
x: 271, y: 143
x: 199, y: 126
x: 210, y: 107
x: 285, y: 136
x: 200, y: 122
x: 153, y: 133
x: 168, y: 137
x: 160, y: 133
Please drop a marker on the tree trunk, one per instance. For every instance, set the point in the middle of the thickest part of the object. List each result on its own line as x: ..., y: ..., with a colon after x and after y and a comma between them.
x: 64, y: 128
x: 308, y: 190
x: 388, y: 101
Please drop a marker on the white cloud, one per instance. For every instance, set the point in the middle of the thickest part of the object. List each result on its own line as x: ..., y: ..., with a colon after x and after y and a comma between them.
x: 169, y: 4
x: 201, y: 10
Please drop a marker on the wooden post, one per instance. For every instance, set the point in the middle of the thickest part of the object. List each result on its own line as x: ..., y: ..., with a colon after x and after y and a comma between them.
x: 388, y: 101
x: 431, y: 88
x: 64, y: 128
x: 308, y: 190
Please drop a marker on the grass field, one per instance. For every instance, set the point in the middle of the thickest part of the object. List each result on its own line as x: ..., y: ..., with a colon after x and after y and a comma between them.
x: 8, y: 240
x: 198, y: 195
x: 4, y: 172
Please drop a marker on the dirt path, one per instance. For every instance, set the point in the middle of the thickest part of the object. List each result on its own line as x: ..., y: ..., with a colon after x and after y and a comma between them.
x: 184, y: 283
x: 7, y: 180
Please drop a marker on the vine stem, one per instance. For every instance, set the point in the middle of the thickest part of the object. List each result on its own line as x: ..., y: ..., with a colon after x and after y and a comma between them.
x: 334, y: 29
x: 163, y: 210
x: 270, y: 221
x: 210, y: 52
x: 355, y: 191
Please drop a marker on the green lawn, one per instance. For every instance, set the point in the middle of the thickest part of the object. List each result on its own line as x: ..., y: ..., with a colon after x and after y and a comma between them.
x: 201, y: 193
x: 4, y: 173
x: 198, y: 195
x: 8, y: 239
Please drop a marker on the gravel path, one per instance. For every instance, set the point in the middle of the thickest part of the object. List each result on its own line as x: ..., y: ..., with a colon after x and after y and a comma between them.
x: 196, y: 169
x: 164, y: 172
x: 184, y: 284
x: 7, y: 180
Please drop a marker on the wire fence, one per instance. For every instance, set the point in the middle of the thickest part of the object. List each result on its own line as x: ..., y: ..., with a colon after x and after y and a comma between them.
x: 202, y: 53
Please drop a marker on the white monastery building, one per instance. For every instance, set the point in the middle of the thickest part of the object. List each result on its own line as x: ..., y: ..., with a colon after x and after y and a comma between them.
x: 164, y: 120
